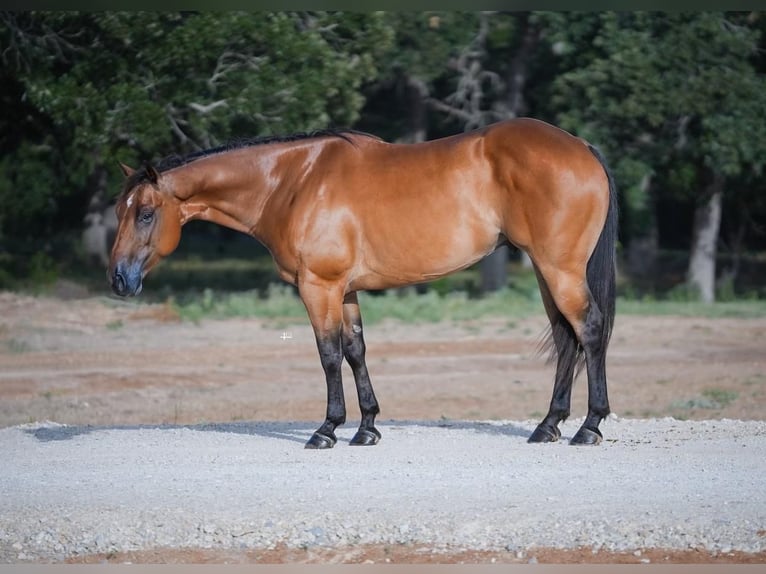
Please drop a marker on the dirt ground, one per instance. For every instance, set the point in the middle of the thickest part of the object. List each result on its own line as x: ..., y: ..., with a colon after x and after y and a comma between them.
x: 100, y: 361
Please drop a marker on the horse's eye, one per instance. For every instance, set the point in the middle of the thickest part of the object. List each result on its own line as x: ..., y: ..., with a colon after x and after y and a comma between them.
x: 146, y: 216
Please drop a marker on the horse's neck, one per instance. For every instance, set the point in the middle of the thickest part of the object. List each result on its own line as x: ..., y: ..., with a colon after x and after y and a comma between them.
x: 222, y: 190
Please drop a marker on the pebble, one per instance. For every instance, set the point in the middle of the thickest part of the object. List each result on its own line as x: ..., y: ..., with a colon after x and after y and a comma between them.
x: 464, y: 514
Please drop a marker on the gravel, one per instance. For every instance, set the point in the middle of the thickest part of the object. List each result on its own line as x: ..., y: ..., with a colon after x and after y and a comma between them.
x: 70, y: 490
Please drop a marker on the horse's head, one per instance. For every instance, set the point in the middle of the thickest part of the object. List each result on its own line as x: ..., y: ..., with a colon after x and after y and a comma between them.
x: 149, y: 229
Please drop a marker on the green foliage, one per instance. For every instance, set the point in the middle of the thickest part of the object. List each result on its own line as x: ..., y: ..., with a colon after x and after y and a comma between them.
x: 35, y: 272
x: 671, y: 97
x: 28, y: 190
x: 422, y: 42
x: 100, y: 87
x: 678, y: 96
x: 637, y: 203
x: 669, y: 87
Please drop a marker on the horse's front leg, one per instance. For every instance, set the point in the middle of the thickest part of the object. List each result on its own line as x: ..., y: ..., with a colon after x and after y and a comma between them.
x: 324, y: 304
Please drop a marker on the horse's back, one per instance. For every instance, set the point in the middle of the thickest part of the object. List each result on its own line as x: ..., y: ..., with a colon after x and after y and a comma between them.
x: 421, y: 210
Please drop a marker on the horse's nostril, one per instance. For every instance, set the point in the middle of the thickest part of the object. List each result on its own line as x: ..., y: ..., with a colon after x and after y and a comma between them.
x: 119, y: 285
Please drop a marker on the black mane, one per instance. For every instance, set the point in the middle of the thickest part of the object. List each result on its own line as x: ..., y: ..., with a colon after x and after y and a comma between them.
x: 172, y: 161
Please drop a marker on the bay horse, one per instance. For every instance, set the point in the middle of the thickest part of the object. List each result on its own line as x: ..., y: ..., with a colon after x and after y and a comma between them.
x: 343, y: 211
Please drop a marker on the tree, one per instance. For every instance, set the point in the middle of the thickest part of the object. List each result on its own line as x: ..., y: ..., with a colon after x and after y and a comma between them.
x: 95, y: 88
x: 675, y: 93
x: 489, y: 83
x: 418, y: 59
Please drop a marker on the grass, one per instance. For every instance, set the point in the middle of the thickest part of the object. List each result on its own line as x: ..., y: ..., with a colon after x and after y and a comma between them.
x: 711, y: 399
x: 279, y: 302
x: 247, y: 286
x: 115, y: 325
x: 755, y: 380
x: 283, y: 303
x: 451, y: 298
x: 17, y: 346
x: 745, y: 308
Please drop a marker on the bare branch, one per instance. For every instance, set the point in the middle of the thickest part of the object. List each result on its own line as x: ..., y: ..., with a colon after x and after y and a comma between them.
x: 207, y: 108
x: 30, y: 34
x: 474, y: 82
x: 451, y: 110
x: 229, y: 62
x: 176, y: 124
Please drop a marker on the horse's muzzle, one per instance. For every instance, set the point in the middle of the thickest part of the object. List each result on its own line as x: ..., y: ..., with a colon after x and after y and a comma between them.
x: 127, y: 280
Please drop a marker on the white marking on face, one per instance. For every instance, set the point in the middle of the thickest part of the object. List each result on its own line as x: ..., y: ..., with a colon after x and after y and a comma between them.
x: 131, y: 197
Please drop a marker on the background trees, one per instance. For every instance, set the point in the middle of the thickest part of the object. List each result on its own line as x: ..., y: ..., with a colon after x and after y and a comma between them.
x: 86, y: 89
x: 675, y: 100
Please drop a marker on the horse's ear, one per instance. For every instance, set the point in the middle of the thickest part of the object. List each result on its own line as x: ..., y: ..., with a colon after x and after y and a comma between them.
x: 127, y: 170
x: 151, y: 173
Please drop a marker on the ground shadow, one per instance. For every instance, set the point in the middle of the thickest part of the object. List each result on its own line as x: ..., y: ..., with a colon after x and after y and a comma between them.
x: 292, y: 431
x: 298, y: 432
x: 491, y: 428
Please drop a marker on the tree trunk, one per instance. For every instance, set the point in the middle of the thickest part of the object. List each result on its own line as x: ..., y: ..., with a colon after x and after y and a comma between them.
x: 644, y: 244
x: 100, y: 222
x: 418, y: 125
x: 707, y: 221
x: 642, y: 252
x: 736, y: 246
x: 494, y: 270
x: 526, y: 261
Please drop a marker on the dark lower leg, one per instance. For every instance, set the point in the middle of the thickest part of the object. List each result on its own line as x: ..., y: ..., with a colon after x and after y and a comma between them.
x: 566, y: 347
x: 354, y: 351
x: 547, y: 430
x: 331, y: 355
x: 595, y: 362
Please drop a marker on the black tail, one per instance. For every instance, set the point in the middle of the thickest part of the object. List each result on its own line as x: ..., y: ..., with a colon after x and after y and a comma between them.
x: 601, y: 266
x: 560, y: 340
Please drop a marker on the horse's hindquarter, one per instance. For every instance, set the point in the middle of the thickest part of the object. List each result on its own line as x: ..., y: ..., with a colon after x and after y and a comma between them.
x: 556, y: 191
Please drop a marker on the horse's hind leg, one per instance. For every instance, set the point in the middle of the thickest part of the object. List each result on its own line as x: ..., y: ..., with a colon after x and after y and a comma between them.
x: 354, y: 350
x: 595, y: 364
x: 570, y: 292
x: 565, y: 348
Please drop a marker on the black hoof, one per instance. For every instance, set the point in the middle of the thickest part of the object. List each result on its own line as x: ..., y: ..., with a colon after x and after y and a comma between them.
x: 587, y: 436
x: 321, y: 441
x: 545, y: 433
x: 366, y: 437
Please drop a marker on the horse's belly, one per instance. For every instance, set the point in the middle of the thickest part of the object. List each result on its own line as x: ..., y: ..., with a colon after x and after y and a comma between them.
x: 428, y: 254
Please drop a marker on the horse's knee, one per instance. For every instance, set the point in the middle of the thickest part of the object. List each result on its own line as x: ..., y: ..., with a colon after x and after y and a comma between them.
x: 353, y: 345
x: 592, y: 328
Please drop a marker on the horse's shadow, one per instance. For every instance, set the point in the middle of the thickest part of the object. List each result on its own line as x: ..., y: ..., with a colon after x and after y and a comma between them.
x: 298, y: 432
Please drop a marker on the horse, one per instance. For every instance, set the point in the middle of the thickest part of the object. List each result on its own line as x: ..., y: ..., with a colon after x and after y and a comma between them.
x: 344, y: 211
